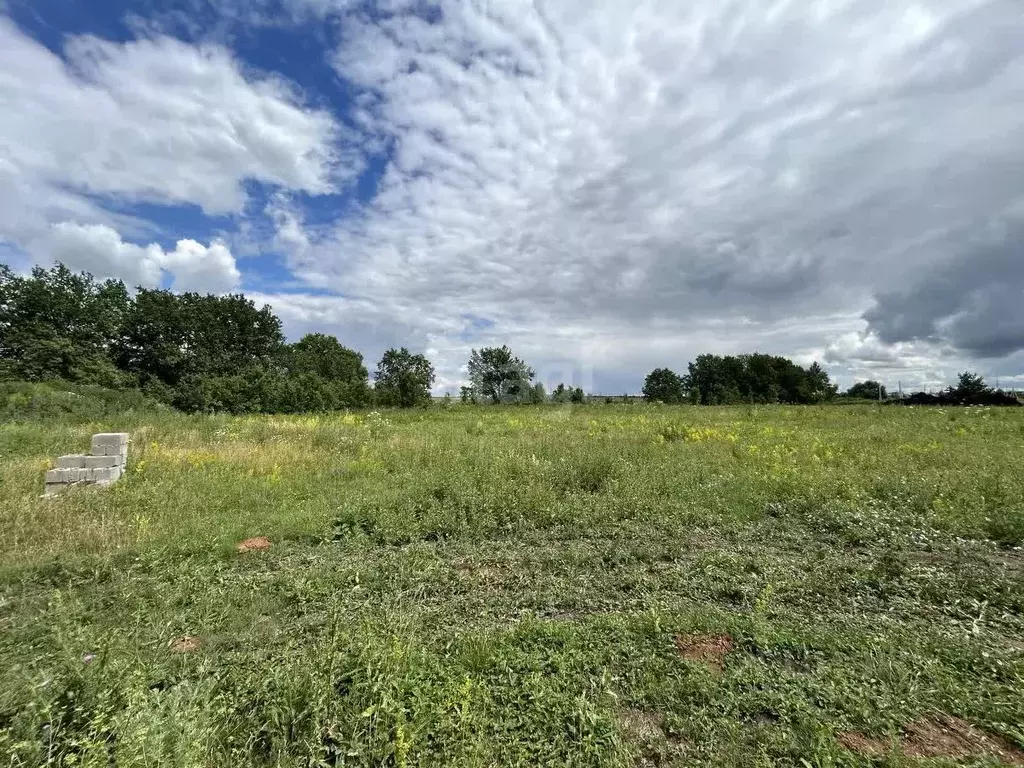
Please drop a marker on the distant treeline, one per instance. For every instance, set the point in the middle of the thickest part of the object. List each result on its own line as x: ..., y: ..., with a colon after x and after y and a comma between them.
x: 755, y: 378
x: 221, y: 353
x: 970, y: 389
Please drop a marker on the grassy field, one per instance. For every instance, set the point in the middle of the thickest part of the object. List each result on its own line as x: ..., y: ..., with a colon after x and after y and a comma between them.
x: 600, y: 585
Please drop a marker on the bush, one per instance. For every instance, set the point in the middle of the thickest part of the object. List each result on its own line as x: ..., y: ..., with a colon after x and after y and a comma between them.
x: 77, y: 403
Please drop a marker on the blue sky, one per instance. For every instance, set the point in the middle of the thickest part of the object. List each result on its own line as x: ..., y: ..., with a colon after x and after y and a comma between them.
x: 606, y: 186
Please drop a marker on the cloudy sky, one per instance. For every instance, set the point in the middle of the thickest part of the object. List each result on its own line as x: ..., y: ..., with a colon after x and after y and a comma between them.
x: 607, y: 186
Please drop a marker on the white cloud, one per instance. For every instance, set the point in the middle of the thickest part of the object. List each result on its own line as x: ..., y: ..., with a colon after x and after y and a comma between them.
x: 100, y: 250
x: 200, y: 268
x: 748, y: 174
x: 152, y: 119
x: 606, y: 186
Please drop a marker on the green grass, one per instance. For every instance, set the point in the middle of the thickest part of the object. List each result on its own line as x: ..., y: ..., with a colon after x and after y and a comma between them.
x: 506, y: 586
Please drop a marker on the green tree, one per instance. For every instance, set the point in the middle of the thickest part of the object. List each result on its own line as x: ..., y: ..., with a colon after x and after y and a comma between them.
x: 498, y: 376
x: 761, y: 378
x: 157, y: 342
x: 816, y: 386
x: 197, y: 350
x: 715, y: 380
x: 578, y: 396
x: 712, y: 380
x: 970, y: 388
x: 341, y: 370
x: 403, y: 379
x: 868, y: 390
x: 326, y: 357
x: 663, y: 385
x: 56, y: 324
x: 561, y: 394
x: 538, y: 395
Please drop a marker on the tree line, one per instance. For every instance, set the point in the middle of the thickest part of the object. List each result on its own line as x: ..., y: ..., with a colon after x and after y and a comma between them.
x: 727, y: 380
x: 194, y: 352
x: 201, y: 353
x: 970, y: 389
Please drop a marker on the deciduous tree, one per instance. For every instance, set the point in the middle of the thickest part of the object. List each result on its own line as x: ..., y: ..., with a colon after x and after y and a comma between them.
x: 499, y: 376
x: 663, y: 385
x: 403, y: 380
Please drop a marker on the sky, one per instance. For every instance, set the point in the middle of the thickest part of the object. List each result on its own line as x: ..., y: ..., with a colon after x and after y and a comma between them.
x: 607, y: 186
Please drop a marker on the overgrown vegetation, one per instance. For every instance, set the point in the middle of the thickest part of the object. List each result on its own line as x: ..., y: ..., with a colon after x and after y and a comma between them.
x: 571, y: 586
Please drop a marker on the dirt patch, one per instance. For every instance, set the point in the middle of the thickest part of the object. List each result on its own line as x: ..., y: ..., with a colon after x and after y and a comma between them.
x: 184, y: 644
x: 649, y: 742
x: 256, y: 544
x: 948, y: 736
x: 709, y: 649
x: 641, y: 726
x: 861, y: 744
x: 938, y: 736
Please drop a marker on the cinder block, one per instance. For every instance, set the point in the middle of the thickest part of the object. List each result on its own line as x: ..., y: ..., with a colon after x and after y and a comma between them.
x: 104, y: 465
x: 108, y: 475
x: 99, y: 462
x: 110, y: 450
x: 110, y: 438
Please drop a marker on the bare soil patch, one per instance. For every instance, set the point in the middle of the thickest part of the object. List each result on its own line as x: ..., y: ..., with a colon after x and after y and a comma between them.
x: 709, y: 649
x: 185, y: 644
x: 255, y: 544
x: 641, y: 726
x: 938, y: 736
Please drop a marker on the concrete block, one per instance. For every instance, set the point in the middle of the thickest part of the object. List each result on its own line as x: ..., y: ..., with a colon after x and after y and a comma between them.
x: 109, y: 438
x: 99, y: 462
x: 104, y: 465
x: 110, y: 450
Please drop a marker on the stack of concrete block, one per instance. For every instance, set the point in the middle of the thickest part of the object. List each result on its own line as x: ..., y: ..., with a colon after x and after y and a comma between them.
x: 104, y: 464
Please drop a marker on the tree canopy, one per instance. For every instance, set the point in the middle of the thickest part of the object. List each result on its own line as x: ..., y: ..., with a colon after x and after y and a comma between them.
x: 56, y: 324
x: 498, y: 376
x: 196, y: 352
x: 756, y: 378
x: 867, y: 390
x: 664, y: 386
x: 403, y: 379
x: 970, y: 387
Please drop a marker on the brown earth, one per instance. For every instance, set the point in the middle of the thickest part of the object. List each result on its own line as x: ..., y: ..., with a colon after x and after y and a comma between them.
x: 257, y: 544
x: 710, y: 649
x: 184, y: 644
x: 938, y: 736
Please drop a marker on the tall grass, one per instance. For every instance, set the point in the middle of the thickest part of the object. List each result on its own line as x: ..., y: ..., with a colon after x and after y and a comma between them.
x: 499, y: 586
